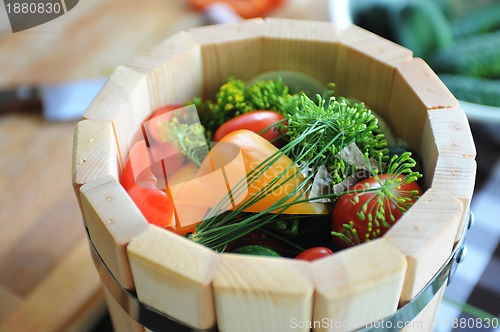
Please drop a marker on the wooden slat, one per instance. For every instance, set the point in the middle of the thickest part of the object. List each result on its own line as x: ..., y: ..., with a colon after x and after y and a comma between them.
x: 415, y: 89
x: 426, y: 234
x: 365, y: 67
x: 174, y: 275
x: 452, y: 133
x: 306, y: 46
x: 112, y: 221
x: 123, y: 100
x: 456, y: 176
x: 230, y: 50
x: 48, y: 308
x: 356, y: 286
x: 173, y: 70
x: 120, y: 319
x: 448, y: 129
x: 95, y: 153
x: 426, y: 319
x: 447, y: 134
x: 262, y: 293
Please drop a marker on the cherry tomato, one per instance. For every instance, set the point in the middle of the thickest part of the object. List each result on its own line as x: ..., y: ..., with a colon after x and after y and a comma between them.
x: 166, y: 151
x: 155, y: 205
x: 152, y: 127
x: 255, y: 121
x: 312, y: 254
x: 138, y: 167
x: 246, y: 9
x: 169, y: 153
x: 374, y: 207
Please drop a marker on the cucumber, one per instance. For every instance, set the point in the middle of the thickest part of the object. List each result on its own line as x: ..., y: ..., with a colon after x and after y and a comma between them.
x: 419, y: 25
x: 256, y: 250
x: 474, y: 90
x: 482, y: 20
x: 422, y: 27
x: 296, y: 81
x: 477, y: 56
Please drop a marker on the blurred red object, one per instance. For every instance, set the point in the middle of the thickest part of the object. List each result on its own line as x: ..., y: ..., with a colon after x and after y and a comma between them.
x: 244, y: 8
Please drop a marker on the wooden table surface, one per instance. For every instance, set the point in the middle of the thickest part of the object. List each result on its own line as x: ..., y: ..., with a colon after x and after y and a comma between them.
x: 47, y: 278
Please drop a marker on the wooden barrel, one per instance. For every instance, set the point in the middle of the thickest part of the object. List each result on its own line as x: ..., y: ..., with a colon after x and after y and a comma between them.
x: 148, y: 271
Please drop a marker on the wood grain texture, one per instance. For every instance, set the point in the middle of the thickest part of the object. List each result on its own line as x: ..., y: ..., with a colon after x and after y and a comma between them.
x: 447, y: 133
x: 456, y: 176
x: 305, y: 46
x: 448, y: 151
x: 426, y: 319
x: 41, y: 227
x: 47, y: 308
x: 173, y: 70
x: 355, y: 287
x: 449, y: 130
x: 415, y: 89
x: 229, y: 50
x: 365, y: 67
x: 426, y: 234
x: 123, y: 100
x: 112, y: 221
x: 265, y: 294
x: 120, y: 319
x: 95, y: 154
x: 174, y: 275
x: 90, y: 41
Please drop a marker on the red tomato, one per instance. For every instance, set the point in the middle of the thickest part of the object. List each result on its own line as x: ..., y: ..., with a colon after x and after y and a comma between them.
x: 368, y: 213
x: 255, y: 121
x: 138, y: 167
x: 155, y: 205
x: 153, y: 128
x: 246, y: 9
x: 166, y: 151
x: 169, y: 153
x: 144, y: 163
x: 312, y: 254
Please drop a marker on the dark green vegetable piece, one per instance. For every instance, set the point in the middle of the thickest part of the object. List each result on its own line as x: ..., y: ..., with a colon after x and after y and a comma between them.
x: 474, y: 90
x: 422, y: 27
x: 484, y: 19
x: 256, y: 250
x: 398, y: 150
x: 477, y: 56
x: 235, y: 98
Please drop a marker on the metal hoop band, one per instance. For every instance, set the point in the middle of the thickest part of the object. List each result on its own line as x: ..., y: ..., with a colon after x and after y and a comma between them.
x: 158, y: 321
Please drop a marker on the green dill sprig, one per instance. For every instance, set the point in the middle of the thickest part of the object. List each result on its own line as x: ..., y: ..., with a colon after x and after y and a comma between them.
x: 189, y: 138
x: 235, y: 97
x: 376, y: 211
x: 317, y: 132
x: 338, y: 120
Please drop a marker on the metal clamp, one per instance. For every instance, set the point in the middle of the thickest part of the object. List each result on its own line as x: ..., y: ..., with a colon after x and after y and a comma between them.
x: 410, y: 310
x: 154, y: 320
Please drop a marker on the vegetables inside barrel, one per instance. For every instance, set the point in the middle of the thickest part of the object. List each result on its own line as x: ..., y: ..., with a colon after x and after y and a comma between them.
x: 269, y: 168
x: 276, y: 182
